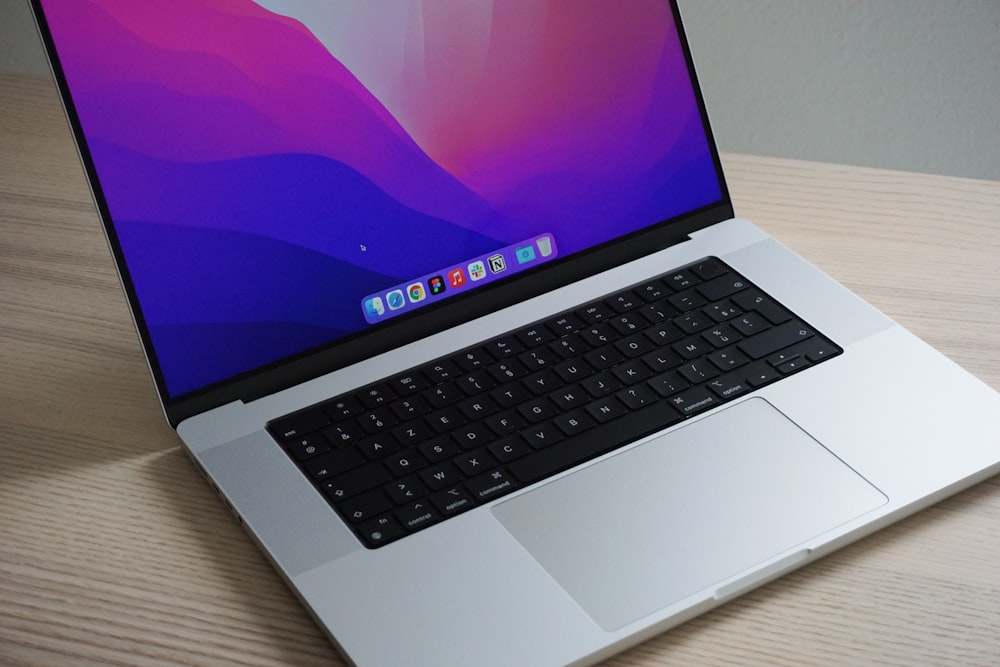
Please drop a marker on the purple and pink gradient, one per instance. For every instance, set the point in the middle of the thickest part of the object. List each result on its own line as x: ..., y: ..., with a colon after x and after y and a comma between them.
x: 260, y: 186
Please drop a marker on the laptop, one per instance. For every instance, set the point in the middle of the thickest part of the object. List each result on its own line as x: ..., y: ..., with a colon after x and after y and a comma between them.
x: 449, y: 303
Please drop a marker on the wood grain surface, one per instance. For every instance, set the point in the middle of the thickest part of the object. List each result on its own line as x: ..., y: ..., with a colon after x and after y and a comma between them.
x: 113, y: 551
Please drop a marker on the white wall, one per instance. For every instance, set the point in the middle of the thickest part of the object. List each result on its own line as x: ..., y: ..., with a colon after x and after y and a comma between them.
x: 904, y: 84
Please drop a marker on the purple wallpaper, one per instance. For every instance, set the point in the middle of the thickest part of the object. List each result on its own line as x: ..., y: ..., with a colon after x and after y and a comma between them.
x: 267, y: 172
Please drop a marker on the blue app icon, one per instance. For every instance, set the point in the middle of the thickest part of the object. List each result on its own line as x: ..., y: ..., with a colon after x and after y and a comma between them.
x: 374, y: 307
x: 525, y: 254
x: 395, y: 299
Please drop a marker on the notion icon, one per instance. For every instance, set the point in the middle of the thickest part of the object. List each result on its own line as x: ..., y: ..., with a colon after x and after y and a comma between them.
x: 497, y: 263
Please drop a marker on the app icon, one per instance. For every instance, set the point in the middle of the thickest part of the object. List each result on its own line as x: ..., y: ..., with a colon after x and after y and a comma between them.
x: 525, y: 254
x: 544, y: 246
x: 395, y: 299
x: 416, y: 292
x: 456, y: 277
x: 497, y: 264
x: 436, y: 284
x: 477, y: 270
x: 374, y: 307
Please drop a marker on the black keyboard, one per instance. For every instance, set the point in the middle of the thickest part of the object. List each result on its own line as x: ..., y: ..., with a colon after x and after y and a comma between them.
x: 402, y: 454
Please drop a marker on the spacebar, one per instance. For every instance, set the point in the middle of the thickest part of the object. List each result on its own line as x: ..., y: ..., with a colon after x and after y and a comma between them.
x: 594, y: 442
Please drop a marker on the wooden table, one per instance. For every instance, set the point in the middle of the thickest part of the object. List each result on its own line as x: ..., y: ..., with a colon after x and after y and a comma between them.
x: 114, y: 551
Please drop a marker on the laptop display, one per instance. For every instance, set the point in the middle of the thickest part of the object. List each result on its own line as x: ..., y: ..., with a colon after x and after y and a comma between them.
x: 283, y: 175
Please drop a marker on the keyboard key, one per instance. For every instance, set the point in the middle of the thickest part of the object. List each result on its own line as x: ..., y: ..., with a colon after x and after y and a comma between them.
x: 681, y: 280
x: 564, y: 324
x: 439, y: 476
x: 595, y: 313
x: 357, y: 481
x: 472, y: 435
x: 754, y: 299
x: 404, y: 462
x: 686, y: 300
x: 438, y: 449
x: 452, y: 501
x: 415, y: 516
x: 668, y: 383
x: 377, y: 446
x: 709, y: 268
x: 508, y: 449
x: 477, y: 408
x: 505, y: 423
x: 408, y: 383
x: 446, y: 420
x: 471, y: 360
x: 750, y: 324
x: 443, y: 395
x: 538, y: 409
x: 722, y: 287
x: 729, y: 386
x: 774, y: 339
x: 476, y: 383
x: 307, y: 446
x: 378, y: 420
x: 574, y: 422
x: 342, y: 408
x: 373, y: 397
x: 366, y: 506
x: 410, y: 408
x: 534, y: 336
x: 637, y: 396
x: 333, y: 463
x: 504, y: 347
x: 491, y: 485
x: 606, y: 409
x: 344, y: 432
x: 631, y: 372
x: 698, y: 370
x: 760, y: 374
x: 439, y: 371
x: 542, y: 435
x: 602, y: 384
x: 694, y: 400
x: 634, y: 346
x: 728, y: 359
x: 299, y: 424
x: 379, y: 531
x: 405, y: 490
x: 474, y: 462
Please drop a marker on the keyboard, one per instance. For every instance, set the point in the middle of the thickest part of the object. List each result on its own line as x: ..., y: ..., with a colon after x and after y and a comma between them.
x: 402, y: 454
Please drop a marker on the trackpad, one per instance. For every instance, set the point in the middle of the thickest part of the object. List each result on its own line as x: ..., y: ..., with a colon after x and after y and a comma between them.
x: 679, y: 514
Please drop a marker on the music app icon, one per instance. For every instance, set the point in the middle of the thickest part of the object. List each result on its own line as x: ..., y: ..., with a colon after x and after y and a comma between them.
x: 456, y: 277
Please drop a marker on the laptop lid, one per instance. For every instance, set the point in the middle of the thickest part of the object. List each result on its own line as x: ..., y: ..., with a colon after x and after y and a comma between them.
x: 289, y: 187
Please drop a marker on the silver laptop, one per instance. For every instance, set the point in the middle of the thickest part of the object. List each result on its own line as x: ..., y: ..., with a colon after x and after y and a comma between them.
x: 448, y: 302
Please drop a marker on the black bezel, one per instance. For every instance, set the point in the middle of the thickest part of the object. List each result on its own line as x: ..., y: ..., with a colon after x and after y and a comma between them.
x: 318, y: 361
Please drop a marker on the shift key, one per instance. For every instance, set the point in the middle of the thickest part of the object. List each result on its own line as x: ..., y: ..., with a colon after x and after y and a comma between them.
x: 775, y: 338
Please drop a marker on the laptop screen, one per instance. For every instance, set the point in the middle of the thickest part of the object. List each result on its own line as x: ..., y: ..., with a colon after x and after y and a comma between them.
x: 281, y: 175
